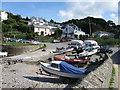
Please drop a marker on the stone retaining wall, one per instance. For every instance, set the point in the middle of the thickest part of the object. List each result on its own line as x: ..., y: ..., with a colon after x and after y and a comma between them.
x: 16, y: 50
x: 99, y: 78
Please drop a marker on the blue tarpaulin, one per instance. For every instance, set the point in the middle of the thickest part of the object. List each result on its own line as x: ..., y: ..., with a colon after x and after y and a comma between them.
x: 65, y: 67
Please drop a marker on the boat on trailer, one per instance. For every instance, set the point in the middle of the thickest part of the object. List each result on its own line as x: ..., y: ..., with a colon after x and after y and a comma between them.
x: 63, y: 69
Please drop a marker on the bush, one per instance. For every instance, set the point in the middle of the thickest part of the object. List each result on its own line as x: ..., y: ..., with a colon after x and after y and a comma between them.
x: 44, y: 38
x: 22, y: 36
x: 110, y: 41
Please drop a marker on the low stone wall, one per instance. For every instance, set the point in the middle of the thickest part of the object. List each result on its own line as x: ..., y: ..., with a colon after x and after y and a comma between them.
x: 98, y: 78
x: 16, y: 50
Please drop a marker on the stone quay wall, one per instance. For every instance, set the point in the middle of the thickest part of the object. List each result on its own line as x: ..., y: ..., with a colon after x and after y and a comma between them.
x: 98, y: 78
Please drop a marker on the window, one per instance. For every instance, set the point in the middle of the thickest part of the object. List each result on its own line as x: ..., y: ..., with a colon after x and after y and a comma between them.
x: 42, y: 33
x: 54, y: 65
x: 66, y: 30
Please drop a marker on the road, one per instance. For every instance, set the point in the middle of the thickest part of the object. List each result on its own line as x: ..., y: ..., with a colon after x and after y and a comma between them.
x: 39, y: 54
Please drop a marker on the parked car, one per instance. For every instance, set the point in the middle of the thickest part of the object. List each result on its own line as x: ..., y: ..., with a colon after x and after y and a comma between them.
x: 55, y: 41
x: 76, y: 43
x: 106, y: 49
x: 69, y: 40
x: 2, y: 54
x: 91, y: 43
x: 30, y: 41
x: 13, y: 40
x: 35, y: 42
x: 23, y: 41
x: 63, y: 40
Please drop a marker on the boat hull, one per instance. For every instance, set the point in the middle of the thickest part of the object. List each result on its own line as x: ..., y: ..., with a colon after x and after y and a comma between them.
x: 72, y: 60
x: 49, y: 70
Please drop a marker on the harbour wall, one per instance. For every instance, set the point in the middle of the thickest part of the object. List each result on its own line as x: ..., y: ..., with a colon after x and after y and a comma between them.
x: 98, y: 78
x: 17, y: 50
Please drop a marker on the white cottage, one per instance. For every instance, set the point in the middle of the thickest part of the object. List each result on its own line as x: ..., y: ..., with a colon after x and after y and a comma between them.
x: 37, y: 21
x: 42, y: 27
x: 3, y: 15
x: 71, y: 31
x: 103, y: 34
x: 43, y: 30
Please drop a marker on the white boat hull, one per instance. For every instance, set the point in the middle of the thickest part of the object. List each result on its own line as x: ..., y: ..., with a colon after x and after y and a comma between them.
x: 86, y: 53
x: 48, y: 69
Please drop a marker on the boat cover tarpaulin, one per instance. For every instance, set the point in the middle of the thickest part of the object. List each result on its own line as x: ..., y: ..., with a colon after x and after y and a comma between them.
x: 65, y: 67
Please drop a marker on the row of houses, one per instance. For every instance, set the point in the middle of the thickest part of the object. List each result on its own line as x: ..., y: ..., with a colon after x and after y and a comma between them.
x: 70, y: 30
x: 42, y: 27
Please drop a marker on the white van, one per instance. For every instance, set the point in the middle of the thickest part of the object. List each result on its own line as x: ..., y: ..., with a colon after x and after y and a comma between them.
x: 2, y: 54
x: 76, y: 43
x: 91, y: 43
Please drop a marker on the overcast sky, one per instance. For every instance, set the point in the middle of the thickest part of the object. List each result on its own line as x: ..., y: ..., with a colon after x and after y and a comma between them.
x: 62, y: 11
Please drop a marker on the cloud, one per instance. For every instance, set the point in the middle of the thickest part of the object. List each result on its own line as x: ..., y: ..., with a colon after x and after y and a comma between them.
x: 66, y: 15
x: 114, y: 17
x: 91, y: 8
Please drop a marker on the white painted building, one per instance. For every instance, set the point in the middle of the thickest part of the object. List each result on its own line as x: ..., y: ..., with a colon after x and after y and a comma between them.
x: 71, y: 31
x: 3, y: 15
x: 43, y: 30
x: 101, y: 34
x: 37, y: 21
x: 42, y: 27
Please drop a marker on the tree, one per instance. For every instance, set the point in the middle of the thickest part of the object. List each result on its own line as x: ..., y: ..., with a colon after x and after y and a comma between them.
x: 27, y: 18
x: 58, y: 33
x: 110, y: 23
x: 17, y: 18
x: 9, y: 21
x: 30, y: 35
x: 24, y: 28
x: 6, y: 28
x: 52, y: 21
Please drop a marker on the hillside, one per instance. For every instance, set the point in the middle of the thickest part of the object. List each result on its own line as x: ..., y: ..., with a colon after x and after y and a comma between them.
x: 18, y: 27
x: 97, y: 24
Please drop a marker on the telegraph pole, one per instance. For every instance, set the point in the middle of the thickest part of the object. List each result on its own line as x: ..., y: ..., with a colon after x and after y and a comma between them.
x: 90, y: 27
